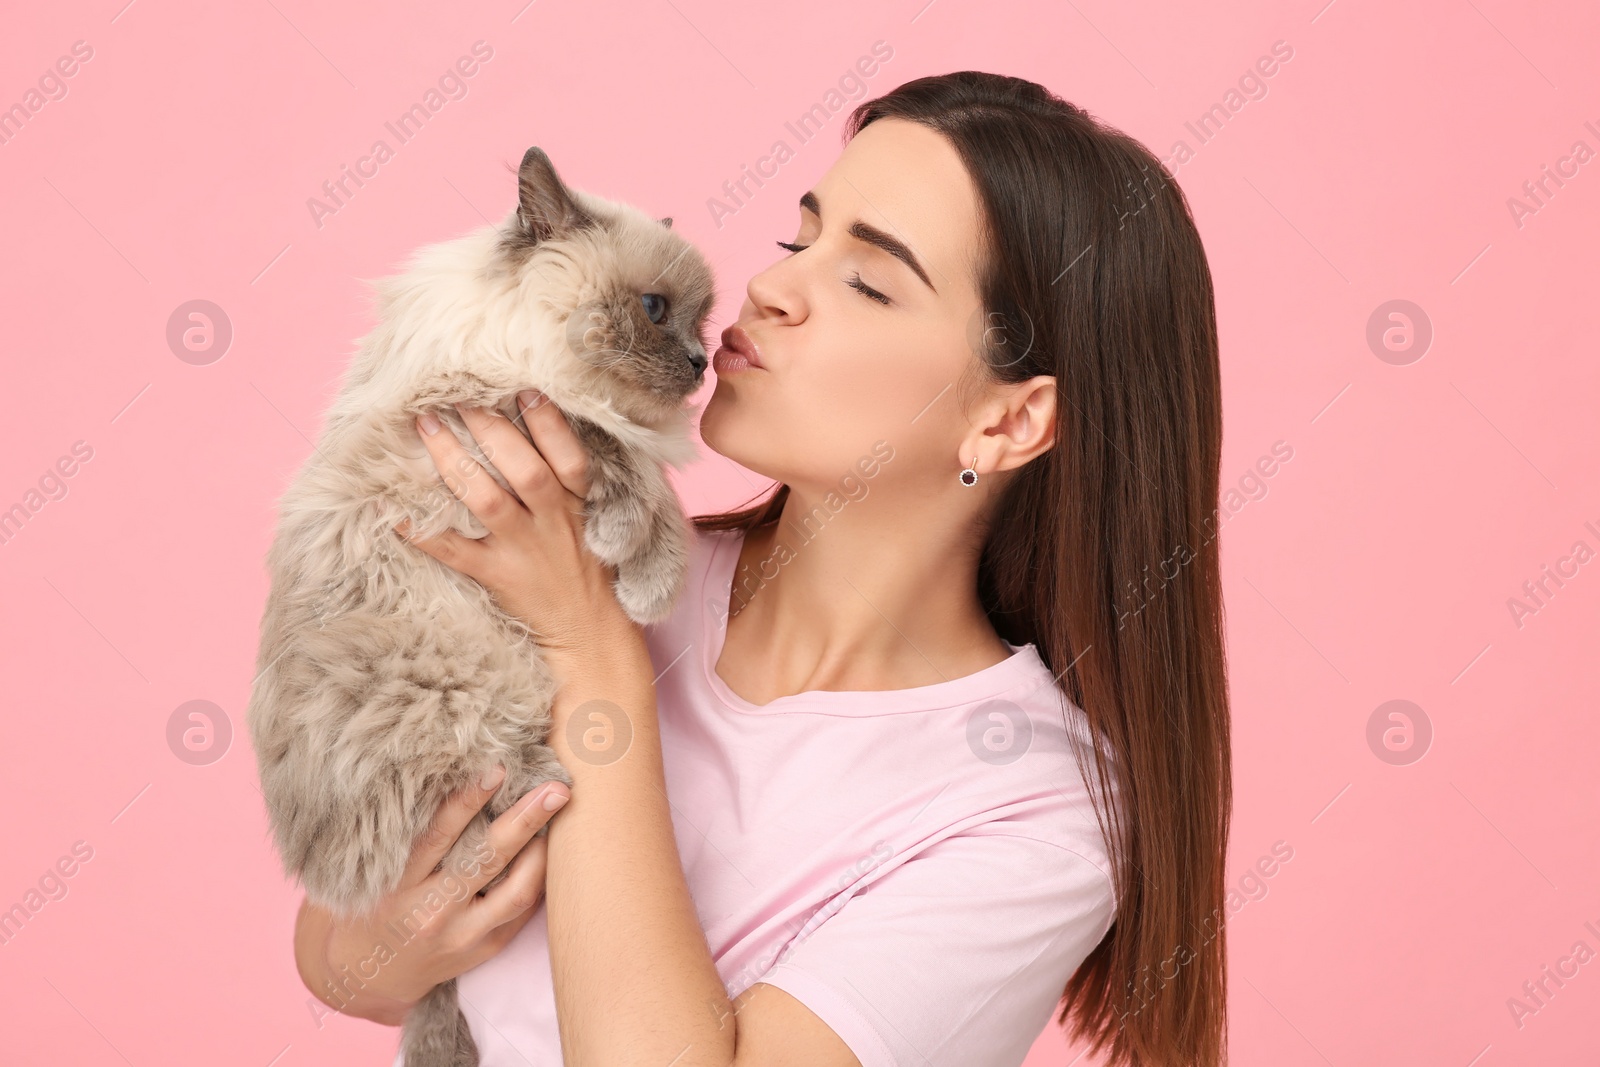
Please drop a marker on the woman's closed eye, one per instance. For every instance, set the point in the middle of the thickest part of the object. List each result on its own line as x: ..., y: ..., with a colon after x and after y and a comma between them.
x: 854, y: 281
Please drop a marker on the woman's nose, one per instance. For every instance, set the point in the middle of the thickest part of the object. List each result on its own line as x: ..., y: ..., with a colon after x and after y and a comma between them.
x: 774, y: 294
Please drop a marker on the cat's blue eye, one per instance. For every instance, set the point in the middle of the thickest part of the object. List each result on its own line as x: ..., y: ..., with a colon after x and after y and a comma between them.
x: 655, y: 306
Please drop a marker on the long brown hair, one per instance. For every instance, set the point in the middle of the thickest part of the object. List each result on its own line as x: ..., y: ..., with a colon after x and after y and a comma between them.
x: 1102, y: 550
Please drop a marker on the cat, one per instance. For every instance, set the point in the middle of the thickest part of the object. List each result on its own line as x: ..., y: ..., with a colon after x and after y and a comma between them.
x: 386, y: 680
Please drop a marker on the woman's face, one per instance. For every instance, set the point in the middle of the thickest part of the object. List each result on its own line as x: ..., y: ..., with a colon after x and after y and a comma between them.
x: 863, y: 335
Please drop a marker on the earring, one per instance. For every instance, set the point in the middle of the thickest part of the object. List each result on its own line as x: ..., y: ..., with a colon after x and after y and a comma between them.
x: 969, y: 476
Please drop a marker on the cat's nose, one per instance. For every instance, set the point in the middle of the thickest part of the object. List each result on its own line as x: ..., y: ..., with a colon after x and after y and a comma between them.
x: 697, y: 360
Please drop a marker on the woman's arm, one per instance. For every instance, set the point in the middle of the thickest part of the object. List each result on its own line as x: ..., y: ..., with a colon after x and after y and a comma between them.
x: 633, y: 977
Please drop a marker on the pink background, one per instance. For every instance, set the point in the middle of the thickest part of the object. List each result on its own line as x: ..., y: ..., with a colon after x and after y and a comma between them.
x: 1378, y: 566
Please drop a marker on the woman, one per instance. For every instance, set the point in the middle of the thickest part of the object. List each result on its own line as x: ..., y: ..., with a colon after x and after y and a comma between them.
x: 851, y: 784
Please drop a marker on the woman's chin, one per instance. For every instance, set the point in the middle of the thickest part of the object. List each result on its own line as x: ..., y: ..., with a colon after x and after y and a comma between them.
x: 732, y: 435
x: 720, y: 417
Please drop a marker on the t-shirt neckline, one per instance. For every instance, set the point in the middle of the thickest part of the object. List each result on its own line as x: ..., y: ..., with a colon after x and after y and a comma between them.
x: 1019, y: 674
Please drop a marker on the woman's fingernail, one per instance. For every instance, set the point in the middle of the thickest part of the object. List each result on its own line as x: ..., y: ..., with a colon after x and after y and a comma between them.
x: 429, y: 424
x: 492, y: 777
x: 553, y: 800
x: 530, y: 399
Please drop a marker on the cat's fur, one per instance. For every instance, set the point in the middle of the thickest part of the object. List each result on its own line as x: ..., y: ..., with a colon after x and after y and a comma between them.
x: 386, y: 680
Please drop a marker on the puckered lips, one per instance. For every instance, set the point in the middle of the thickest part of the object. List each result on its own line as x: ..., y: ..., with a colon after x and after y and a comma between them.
x: 738, y: 352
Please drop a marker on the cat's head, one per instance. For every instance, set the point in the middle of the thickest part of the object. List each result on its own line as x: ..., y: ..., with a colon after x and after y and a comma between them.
x: 633, y: 297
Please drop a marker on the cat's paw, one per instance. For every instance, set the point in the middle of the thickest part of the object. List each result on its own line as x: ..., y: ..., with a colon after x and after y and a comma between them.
x: 648, y: 593
x: 618, y: 530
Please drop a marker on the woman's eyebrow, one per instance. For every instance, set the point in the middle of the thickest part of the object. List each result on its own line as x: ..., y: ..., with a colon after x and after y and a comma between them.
x: 861, y: 231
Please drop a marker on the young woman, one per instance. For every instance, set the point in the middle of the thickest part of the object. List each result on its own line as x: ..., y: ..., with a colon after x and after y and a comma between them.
x: 936, y: 743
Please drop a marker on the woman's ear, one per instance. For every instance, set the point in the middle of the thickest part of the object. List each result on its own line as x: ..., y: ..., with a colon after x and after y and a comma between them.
x: 1023, y: 419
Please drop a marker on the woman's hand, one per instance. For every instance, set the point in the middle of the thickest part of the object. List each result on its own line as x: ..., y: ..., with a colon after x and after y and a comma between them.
x: 534, y: 561
x: 451, y: 928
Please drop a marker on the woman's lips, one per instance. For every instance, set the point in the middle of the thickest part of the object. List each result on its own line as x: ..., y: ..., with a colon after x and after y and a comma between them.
x: 731, y: 361
x: 737, y: 353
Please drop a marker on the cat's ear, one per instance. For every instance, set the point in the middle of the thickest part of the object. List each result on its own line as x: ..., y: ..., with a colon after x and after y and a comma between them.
x: 667, y: 222
x: 545, y: 208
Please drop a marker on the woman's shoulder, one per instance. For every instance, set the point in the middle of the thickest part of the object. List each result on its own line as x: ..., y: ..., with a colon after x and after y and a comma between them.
x: 1035, y: 757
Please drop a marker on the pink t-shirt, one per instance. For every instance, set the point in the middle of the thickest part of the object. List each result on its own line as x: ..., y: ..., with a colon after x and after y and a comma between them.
x: 919, y: 867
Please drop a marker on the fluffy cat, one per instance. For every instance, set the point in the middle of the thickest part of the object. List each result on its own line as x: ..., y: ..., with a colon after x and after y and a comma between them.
x: 386, y: 680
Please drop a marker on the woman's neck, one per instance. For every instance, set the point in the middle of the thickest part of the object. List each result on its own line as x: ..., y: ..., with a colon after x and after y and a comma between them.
x: 853, y: 605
